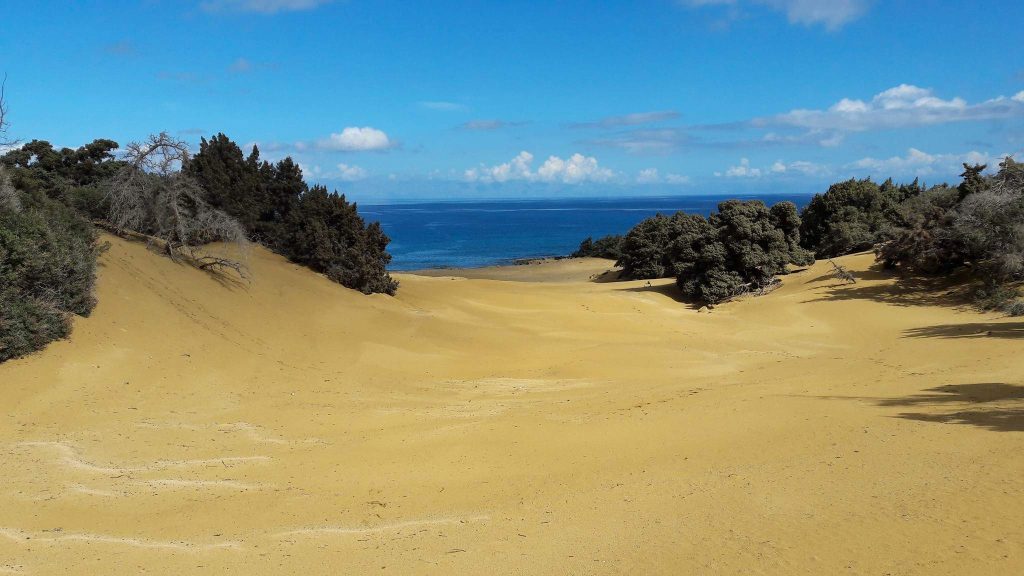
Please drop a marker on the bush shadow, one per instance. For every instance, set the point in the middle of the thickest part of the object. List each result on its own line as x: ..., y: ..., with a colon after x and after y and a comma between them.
x: 995, y: 406
x: 903, y: 290
x: 1011, y: 330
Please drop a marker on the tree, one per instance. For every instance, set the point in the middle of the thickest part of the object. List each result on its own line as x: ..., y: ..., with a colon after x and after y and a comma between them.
x: 973, y: 181
x: 276, y: 208
x: 850, y: 216
x: 150, y: 195
x: 3, y: 113
x: 645, y: 249
x: 230, y: 181
x: 609, y: 247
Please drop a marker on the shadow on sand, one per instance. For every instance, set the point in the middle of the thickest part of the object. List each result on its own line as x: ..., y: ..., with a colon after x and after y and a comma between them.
x: 992, y: 405
x: 969, y: 330
x: 902, y: 291
x: 670, y: 290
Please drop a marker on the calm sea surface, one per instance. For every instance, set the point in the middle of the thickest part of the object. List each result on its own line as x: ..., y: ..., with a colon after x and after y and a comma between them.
x: 472, y: 234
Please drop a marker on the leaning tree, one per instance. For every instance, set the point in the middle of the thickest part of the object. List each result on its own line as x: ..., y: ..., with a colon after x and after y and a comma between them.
x: 152, y: 196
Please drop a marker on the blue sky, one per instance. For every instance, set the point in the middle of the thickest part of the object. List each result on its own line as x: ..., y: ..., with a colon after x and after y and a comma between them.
x: 385, y: 99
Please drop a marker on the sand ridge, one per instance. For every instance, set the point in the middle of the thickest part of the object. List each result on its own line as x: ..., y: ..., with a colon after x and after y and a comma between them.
x: 507, y: 425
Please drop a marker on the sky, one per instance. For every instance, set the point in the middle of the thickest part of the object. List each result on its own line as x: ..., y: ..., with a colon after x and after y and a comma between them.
x: 402, y: 100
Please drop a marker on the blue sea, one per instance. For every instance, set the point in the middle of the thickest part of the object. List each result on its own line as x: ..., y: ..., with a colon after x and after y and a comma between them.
x: 484, y: 233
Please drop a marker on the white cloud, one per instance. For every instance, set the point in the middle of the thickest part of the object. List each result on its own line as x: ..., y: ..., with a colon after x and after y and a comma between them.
x: 653, y: 176
x: 350, y: 173
x: 648, y: 176
x: 261, y: 6
x: 573, y: 170
x: 832, y: 14
x: 356, y: 139
x: 743, y: 170
x: 899, y: 107
x: 778, y: 168
x: 919, y: 163
x: 577, y: 168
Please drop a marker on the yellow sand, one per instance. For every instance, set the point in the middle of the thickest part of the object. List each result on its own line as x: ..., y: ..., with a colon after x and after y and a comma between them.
x: 291, y: 426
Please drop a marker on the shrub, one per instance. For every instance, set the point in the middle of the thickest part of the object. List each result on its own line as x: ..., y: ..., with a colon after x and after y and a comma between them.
x: 47, y: 272
x: 851, y: 216
x: 1015, y: 308
x: 742, y: 247
x: 645, y: 249
x: 609, y: 247
x: 326, y: 234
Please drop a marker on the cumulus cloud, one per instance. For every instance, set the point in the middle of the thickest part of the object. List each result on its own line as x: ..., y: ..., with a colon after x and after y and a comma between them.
x: 777, y: 168
x: 357, y: 139
x: 635, y: 119
x: 349, y: 173
x: 919, y: 163
x: 261, y: 6
x: 653, y: 176
x: 902, y: 106
x: 833, y: 14
x: 742, y: 170
x: 573, y: 170
x: 648, y: 176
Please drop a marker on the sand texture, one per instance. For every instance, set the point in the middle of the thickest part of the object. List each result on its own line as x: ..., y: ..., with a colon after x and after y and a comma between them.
x: 194, y: 424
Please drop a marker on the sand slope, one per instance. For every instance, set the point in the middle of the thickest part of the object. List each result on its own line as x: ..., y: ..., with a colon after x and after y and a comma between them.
x: 492, y: 427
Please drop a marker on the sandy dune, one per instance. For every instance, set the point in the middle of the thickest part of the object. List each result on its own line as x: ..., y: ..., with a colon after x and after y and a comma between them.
x: 494, y: 427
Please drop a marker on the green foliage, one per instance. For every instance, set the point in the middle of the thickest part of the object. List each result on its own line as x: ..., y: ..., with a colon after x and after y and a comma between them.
x: 978, y: 225
x: 73, y: 176
x: 327, y: 234
x: 740, y: 248
x: 609, y: 247
x: 973, y: 180
x: 231, y: 182
x: 309, y: 226
x: 851, y: 216
x: 47, y: 272
x: 744, y: 247
x: 645, y: 249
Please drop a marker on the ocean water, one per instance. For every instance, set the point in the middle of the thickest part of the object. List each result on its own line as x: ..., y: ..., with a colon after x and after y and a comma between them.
x: 484, y: 233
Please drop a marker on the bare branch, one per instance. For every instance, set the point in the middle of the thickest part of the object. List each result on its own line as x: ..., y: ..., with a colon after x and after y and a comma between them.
x: 152, y: 196
x: 3, y: 112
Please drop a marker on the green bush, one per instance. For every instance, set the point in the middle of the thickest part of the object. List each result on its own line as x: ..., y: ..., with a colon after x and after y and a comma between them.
x: 851, y: 216
x: 609, y: 247
x: 740, y: 248
x: 47, y: 272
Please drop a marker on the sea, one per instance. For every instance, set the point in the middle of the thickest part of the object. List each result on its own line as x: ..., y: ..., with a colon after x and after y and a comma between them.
x: 470, y: 234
